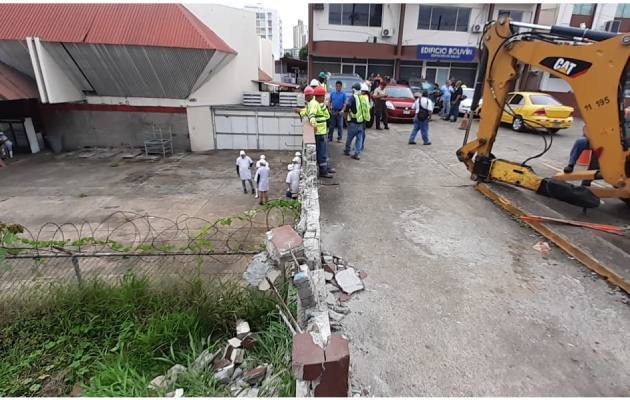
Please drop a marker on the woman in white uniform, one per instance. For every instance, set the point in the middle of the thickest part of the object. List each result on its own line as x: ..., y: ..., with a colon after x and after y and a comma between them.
x: 262, y: 181
x: 243, y: 165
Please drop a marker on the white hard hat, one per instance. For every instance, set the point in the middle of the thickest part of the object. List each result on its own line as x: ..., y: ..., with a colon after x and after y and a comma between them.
x: 242, y: 152
x: 262, y: 157
x: 364, y: 88
x: 314, y: 82
x: 298, y: 154
x: 296, y: 160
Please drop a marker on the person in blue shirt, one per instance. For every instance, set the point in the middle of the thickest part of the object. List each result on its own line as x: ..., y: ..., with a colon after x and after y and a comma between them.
x: 337, y: 101
x: 446, y: 90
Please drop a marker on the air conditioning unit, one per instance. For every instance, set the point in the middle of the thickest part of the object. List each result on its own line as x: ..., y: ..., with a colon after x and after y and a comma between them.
x: 387, y: 32
x: 256, y: 98
x: 476, y: 28
x: 612, y: 26
x: 318, y: 6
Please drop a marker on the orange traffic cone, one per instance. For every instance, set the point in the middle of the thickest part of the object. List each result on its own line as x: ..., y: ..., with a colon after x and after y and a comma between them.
x: 465, y: 122
x: 585, y: 158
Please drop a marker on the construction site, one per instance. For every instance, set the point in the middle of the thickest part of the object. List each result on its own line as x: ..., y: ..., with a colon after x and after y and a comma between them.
x: 490, y: 258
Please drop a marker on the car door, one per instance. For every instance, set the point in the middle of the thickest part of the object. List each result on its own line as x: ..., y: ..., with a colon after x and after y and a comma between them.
x: 513, y: 107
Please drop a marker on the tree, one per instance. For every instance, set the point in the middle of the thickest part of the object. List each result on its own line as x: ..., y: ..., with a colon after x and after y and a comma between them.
x: 287, y: 55
x: 304, y: 53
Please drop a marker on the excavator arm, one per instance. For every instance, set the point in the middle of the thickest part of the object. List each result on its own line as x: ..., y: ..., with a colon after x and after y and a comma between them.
x: 593, y: 64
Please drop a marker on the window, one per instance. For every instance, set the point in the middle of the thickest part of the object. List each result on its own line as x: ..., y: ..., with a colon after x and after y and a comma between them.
x: 517, y: 100
x: 540, y: 100
x: 583, y: 9
x: 512, y: 14
x: 438, y: 18
x: 623, y: 11
x: 355, y: 14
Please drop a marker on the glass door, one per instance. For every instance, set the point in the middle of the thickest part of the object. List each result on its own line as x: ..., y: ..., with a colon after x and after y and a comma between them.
x: 439, y: 75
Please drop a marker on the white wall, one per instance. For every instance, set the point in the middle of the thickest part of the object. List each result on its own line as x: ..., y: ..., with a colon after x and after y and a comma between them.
x: 237, y: 27
x: 323, y: 31
x: 265, y: 51
x: 58, y: 86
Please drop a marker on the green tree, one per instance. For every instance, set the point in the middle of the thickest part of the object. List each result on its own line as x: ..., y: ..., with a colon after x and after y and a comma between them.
x: 304, y: 53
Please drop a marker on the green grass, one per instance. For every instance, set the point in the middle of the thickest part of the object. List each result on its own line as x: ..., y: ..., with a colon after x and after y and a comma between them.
x: 113, y: 339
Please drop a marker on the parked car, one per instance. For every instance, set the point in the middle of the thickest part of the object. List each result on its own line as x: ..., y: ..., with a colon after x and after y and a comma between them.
x: 399, y: 102
x: 465, y: 104
x: 347, y: 80
x: 538, y: 110
x: 418, y: 85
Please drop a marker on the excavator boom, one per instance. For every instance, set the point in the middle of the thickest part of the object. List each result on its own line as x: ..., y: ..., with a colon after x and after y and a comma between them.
x: 581, y: 58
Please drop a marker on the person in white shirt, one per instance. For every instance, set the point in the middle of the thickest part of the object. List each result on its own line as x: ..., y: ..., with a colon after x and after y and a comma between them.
x: 243, y: 165
x: 262, y: 158
x: 262, y: 181
x: 293, y: 178
x: 424, y: 109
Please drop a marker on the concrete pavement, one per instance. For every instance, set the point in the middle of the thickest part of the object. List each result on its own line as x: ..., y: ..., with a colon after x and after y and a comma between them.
x: 457, y: 300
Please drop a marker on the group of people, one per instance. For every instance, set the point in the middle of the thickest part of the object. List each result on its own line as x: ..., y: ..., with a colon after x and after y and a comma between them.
x: 261, y: 178
x: 326, y: 115
x: 450, y: 96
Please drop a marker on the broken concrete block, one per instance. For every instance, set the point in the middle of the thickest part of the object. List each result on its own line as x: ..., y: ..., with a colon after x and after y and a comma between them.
x: 242, y: 328
x: 251, y: 392
x: 331, y: 300
x: 203, y: 361
x: 335, y: 316
x: 334, y: 379
x: 343, y: 297
x: 306, y: 292
x: 224, y: 375
x: 257, y: 269
x: 328, y: 276
x: 307, y: 357
x: 177, y: 393
x: 255, y: 376
x: 319, y: 327
x: 237, y: 356
x: 274, y: 274
x: 159, y: 382
x: 332, y: 288
x: 220, y: 363
x: 282, y: 241
x: 174, y: 372
x: 330, y: 267
x: 348, y: 281
x: 235, y: 342
x: 327, y: 259
x: 248, y: 342
x: 238, y: 372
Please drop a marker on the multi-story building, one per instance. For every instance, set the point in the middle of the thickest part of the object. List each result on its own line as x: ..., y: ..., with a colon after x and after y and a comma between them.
x: 269, y: 26
x: 293, y: 52
x: 299, y: 35
x: 404, y: 41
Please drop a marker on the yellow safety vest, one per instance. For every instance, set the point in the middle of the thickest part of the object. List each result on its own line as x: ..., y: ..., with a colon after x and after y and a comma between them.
x: 358, y: 116
x: 365, y: 107
x: 318, y: 115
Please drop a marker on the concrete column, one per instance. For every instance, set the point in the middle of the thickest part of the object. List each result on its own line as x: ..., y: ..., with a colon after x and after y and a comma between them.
x: 200, y: 128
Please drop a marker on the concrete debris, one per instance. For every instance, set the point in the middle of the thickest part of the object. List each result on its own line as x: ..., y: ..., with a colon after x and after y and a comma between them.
x: 238, y: 372
x: 257, y: 269
x: 177, y: 393
x: 304, y: 285
x: 273, y: 275
x: 224, y: 374
x: 330, y: 267
x: 251, y: 392
x: 255, y: 376
x: 159, y: 382
x: 328, y: 276
x: 319, y: 327
x: 363, y: 274
x: 220, y: 363
x: 348, y: 281
x: 282, y: 241
x: 174, y: 372
x: 203, y: 361
x: 335, y: 316
x: 327, y: 259
x: 242, y: 329
x: 331, y: 300
x: 340, y: 309
x: 343, y: 297
x: 542, y: 247
x: 237, y: 356
x: 332, y: 288
x: 235, y: 342
x: 248, y: 342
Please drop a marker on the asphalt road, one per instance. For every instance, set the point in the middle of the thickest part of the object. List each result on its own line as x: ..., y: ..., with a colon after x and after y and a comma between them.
x: 457, y: 302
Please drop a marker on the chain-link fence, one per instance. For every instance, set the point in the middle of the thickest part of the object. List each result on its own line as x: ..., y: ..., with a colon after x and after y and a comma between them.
x: 35, y: 261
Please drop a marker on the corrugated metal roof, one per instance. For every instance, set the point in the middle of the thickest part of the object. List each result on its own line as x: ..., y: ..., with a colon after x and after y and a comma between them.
x: 15, y: 54
x: 16, y: 86
x: 163, y: 25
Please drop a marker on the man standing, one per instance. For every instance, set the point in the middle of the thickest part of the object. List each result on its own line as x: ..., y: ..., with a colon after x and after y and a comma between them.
x: 318, y: 116
x: 243, y: 165
x: 446, y: 90
x: 322, y: 80
x: 379, y: 103
x: 365, y: 108
x: 262, y: 181
x: 337, y: 102
x: 456, y: 98
x: 355, y: 123
x: 308, y: 96
x: 424, y: 108
x: 293, y: 178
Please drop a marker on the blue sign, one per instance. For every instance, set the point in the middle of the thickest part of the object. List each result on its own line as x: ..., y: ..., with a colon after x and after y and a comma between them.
x: 430, y: 52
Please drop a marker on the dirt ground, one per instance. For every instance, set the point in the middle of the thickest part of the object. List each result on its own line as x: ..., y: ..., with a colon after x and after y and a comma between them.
x: 457, y: 302
x: 65, y: 188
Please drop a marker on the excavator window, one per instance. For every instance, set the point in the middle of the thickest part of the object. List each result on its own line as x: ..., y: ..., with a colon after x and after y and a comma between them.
x: 624, y: 102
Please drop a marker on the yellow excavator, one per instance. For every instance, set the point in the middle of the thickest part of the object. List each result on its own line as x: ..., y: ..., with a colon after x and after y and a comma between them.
x: 596, y: 66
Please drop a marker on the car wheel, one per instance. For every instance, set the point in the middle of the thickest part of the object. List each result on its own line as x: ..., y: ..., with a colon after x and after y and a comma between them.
x: 517, y: 124
x: 553, y: 130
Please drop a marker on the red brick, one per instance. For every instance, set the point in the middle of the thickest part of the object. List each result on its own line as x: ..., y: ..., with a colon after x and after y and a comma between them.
x: 330, y: 267
x: 308, y: 358
x: 334, y: 380
x: 285, y: 238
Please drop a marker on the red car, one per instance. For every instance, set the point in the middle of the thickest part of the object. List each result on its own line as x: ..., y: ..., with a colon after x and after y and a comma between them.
x: 399, y: 102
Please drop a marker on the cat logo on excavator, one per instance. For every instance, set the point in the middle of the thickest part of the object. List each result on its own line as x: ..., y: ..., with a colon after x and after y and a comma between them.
x: 567, y: 66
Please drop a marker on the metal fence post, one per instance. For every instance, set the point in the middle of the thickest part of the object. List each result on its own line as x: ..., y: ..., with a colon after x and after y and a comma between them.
x: 77, y: 270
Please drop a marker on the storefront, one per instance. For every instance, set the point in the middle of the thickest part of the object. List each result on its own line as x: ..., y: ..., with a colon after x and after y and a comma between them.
x: 437, y: 63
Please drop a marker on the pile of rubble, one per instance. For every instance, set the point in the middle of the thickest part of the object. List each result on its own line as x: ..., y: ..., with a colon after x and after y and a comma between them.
x: 228, y: 366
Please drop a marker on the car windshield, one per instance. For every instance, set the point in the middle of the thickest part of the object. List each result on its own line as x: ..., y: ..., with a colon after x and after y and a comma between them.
x: 398, y: 93
x: 542, y: 100
x: 346, y: 84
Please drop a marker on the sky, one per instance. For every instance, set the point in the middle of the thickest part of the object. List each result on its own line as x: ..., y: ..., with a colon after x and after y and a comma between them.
x: 288, y: 15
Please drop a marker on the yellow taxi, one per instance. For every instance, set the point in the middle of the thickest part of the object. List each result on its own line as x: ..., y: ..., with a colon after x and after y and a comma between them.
x: 536, y: 110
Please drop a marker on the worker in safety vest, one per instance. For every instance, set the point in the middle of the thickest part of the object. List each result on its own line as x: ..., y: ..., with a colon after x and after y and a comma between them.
x: 356, y: 125
x: 322, y: 81
x: 308, y: 96
x: 318, y: 116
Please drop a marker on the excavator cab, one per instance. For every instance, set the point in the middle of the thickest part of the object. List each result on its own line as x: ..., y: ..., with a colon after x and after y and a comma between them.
x: 596, y: 66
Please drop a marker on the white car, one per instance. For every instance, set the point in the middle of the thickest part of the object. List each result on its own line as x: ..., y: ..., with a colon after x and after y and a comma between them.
x: 465, y: 104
